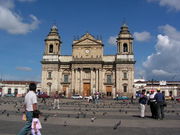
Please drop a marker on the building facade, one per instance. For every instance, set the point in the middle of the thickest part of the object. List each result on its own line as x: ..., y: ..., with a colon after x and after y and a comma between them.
x: 88, y: 70
x: 169, y: 88
x: 17, y: 88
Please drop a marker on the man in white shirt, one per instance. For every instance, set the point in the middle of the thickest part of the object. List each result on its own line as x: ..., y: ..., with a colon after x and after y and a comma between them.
x: 30, y: 105
x: 152, y: 104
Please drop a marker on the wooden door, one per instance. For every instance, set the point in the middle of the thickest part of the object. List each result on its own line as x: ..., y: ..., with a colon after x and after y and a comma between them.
x: 108, y: 91
x: 64, y: 89
x: 86, y: 89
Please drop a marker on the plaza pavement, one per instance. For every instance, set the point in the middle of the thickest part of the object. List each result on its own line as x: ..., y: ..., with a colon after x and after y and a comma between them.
x: 77, y: 117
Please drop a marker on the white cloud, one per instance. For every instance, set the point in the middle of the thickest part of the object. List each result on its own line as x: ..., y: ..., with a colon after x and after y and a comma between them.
x: 7, y: 3
x: 26, y: 0
x: 11, y: 77
x: 171, y: 4
x: 24, y: 68
x: 12, y: 22
x: 160, y: 72
x: 142, y: 36
x: 112, y: 40
x: 165, y: 62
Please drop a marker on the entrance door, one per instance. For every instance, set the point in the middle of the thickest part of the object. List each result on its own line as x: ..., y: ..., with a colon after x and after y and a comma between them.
x: 65, y: 90
x: 86, y: 89
x: 109, y: 91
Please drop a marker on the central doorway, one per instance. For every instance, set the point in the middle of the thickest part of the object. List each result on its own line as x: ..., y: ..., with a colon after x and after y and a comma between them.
x: 108, y: 91
x: 86, y: 89
x: 64, y: 92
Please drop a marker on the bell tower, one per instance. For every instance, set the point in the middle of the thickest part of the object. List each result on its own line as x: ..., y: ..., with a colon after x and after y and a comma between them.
x: 125, y: 62
x: 53, y: 42
x: 124, y: 41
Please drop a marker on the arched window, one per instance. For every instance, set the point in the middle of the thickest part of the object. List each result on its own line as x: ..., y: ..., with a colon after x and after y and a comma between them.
x: 125, y: 87
x: 51, y: 49
x: 125, y: 47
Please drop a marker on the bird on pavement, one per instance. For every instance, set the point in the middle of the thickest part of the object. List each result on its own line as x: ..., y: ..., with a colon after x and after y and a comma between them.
x: 116, y: 125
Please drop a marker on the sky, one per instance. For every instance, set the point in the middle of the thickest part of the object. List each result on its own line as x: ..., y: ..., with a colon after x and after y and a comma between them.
x: 154, y: 24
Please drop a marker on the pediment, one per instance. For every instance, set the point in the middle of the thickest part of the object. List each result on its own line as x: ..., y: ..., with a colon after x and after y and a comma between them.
x: 87, y: 39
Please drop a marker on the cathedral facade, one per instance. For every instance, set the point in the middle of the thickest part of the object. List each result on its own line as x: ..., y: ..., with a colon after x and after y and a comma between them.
x: 88, y: 70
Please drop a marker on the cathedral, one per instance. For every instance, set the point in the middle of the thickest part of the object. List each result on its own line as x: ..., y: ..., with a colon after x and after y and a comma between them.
x: 88, y: 70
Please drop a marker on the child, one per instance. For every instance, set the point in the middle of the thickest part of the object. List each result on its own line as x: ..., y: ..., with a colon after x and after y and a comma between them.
x: 36, y: 124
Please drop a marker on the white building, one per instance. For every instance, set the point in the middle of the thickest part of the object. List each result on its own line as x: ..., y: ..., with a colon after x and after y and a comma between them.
x: 170, y: 88
x: 18, y: 88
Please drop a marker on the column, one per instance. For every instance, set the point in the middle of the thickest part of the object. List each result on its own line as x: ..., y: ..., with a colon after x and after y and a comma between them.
x: 60, y: 80
x: 117, y: 80
x: 81, y: 81
x: 96, y: 80
x: 76, y: 80
x: 72, y: 80
x: 100, y: 80
x: 91, y: 81
x: 103, y: 77
x: 114, y: 82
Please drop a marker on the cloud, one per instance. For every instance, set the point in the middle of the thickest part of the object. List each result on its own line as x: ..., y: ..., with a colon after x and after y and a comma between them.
x: 26, y: 0
x: 164, y: 63
x: 112, y: 40
x: 142, y: 36
x: 12, y: 22
x: 11, y: 77
x: 161, y: 72
x: 24, y: 68
x: 171, y: 4
x: 7, y: 3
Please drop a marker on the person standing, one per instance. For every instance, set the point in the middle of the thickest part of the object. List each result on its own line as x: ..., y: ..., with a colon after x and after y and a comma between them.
x: 36, y: 124
x: 56, y: 100
x: 142, y: 101
x: 30, y: 105
x: 159, y: 97
x: 152, y: 103
x: 117, y: 97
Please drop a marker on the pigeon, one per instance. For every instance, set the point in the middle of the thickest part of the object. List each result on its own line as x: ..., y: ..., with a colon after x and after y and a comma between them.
x: 104, y: 113
x: 65, y: 123
x: 55, y: 115
x: 92, y: 119
x: 3, y: 111
x: 116, y: 125
x: 46, y: 117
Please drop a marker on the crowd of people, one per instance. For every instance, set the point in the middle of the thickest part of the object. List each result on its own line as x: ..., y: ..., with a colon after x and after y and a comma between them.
x: 156, y: 101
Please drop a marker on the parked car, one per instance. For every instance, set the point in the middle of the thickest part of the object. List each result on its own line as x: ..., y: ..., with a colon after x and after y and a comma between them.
x: 76, y: 97
x: 43, y: 95
x: 9, y: 95
x: 177, y: 99
x: 86, y: 97
x: 168, y: 98
x: 121, y: 98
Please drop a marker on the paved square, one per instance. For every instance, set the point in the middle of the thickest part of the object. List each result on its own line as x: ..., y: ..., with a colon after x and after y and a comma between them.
x: 78, y: 117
